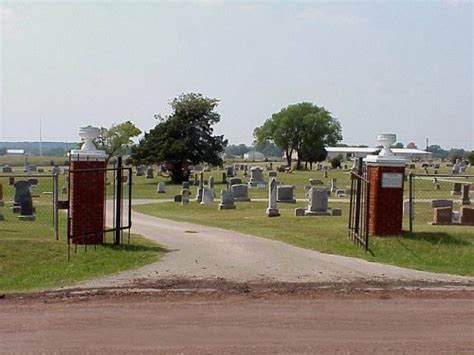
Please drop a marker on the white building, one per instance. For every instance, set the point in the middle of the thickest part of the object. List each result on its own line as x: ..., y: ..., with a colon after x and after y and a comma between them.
x: 349, y: 153
x: 254, y: 155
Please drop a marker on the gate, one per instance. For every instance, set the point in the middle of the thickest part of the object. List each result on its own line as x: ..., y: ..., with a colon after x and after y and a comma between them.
x: 116, y: 201
x: 359, y: 206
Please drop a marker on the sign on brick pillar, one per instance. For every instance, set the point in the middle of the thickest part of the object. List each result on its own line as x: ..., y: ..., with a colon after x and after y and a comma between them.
x: 386, y: 176
x: 87, y: 189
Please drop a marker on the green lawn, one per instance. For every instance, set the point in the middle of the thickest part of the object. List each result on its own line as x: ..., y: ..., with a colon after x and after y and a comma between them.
x: 30, y: 258
x: 431, y: 248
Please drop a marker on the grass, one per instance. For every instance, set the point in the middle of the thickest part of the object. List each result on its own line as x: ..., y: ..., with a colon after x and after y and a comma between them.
x: 432, y: 248
x: 31, y: 260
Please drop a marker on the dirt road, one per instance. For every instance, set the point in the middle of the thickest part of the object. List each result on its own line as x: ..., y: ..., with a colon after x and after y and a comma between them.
x: 240, y: 324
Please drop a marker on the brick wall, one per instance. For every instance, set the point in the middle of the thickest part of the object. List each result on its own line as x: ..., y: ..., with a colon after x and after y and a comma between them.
x: 87, y: 204
x: 386, y: 204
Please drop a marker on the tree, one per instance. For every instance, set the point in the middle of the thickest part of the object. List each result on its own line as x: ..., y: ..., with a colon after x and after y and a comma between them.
x: 336, y: 161
x: 185, y: 137
x: 412, y: 145
x: 116, y: 139
x: 300, y: 128
x: 398, y: 145
x: 470, y: 157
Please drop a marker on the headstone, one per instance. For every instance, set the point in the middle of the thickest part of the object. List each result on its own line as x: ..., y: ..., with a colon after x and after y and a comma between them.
x: 457, y: 186
x: 40, y: 170
x: 7, y: 168
x: 272, y: 174
x: 325, y: 174
x: 161, y: 188
x: 33, y: 168
x: 234, y: 181
x: 426, y: 170
x: 406, y: 208
x: 436, y: 166
x: 435, y: 171
x: 140, y: 170
x: 185, y: 197
x: 200, y: 187
x: 64, y: 190
x: 272, y: 210
x: 441, y: 203
x: 65, y: 171
x: 285, y: 193
x: 298, y: 212
x: 317, y: 202
x: 256, y: 177
x: 227, y: 200
x: 456, y: 167
x: 316, y: 182
x: 466, y: 215
x: 465, y: 200
x: 443, y: 215
x: 333, y: 185
x: 241, y: 193
x: 207, y: 196
x: 24, y: 200
x: 336, y: 212
x: 178, y: 198
x: 185, y: 185
x: 196, y: 179
x: 150, y: 173
x: 55, y: 170
x: 229, y: 171
x: 224, y: 178
x: 340, y: 193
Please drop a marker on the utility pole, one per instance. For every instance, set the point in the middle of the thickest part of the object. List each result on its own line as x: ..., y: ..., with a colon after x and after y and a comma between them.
x: 426, y: 140
x: 41, y: 141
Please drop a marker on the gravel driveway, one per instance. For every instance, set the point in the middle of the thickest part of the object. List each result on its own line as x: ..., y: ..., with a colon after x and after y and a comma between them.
x: 201, y: 252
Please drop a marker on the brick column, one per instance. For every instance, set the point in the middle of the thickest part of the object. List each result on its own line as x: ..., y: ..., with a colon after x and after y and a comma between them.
x: 386, y: 174
x: 385, y: 200
x: 86, y: 191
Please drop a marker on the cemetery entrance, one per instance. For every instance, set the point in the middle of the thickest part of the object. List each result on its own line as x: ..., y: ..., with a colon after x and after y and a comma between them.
x: 29, y: 202
x: 99, y: 203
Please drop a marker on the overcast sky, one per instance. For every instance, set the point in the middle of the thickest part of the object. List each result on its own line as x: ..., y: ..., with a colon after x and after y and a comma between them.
x: 402, y: 67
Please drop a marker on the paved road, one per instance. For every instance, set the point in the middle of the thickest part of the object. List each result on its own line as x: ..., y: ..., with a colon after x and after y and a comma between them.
x: 200, y: 252
x: 244, y: 326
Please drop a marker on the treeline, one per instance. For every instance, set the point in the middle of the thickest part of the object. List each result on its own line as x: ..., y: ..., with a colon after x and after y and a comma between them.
x: 50, y: 149
x: 268, y: 149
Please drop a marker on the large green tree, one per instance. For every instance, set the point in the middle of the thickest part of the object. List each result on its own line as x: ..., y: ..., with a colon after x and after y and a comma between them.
x: 184, y: 137
x: 117, y: 139
x: 303, y: 128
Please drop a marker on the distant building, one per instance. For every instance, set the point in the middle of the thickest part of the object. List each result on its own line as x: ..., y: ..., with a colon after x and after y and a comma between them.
x: 349, y: 153
x: 15, y: 152
x: 254, y: 155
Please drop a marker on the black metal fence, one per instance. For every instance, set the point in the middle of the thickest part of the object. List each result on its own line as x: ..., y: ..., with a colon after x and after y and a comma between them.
x: 428, y: 191
x: 359, y: 206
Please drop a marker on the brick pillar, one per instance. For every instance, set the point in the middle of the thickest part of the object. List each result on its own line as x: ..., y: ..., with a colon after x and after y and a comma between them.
x: 386, y: 199
x: 87, y: 191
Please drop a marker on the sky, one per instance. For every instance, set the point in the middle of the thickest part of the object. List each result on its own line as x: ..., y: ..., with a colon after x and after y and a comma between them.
x: 403, y: 67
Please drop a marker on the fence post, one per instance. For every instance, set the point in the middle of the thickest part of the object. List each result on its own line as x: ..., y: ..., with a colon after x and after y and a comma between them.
x: 410, y: 197
x: 118, y: 202
x: 55, y: 206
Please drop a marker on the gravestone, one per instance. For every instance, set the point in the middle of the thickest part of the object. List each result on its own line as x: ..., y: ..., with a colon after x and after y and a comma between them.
x: 298, y: 212
x: 196, y: 179
x: 406, y: 208
x: 256, y: 177
x: 185, y: 197
x: 441, y: 203
x: 315, y: 182
x: 224, y: 178
x: 456, y: 167
x: 457, y: 186
x: 200, y: 187
x: 65, y: 171
x: 272, y: 174
x: 235, y: 181
x: 64, y: 190
x: 285, y: 193
x: 40, y: 170
x: 241, y: 193
x: 272, y: 210
x: 465, y: 200
x: 140, y: 170
x: 340, y: 193
x: 245, y: 169
x: 436, y: 166
x: 466, y: 215
x: 56, y: 170
x: 317, y: 202
x: 336, y: 212
x: 229, y: 171
x: 161, y: 188
x: 443, y: 216
x: 178, y: 198
x: 150, y: 173
x: 207, y: 196
x: 7, y: 169
x: 33, y: 168
x: 24, y: 200
x: 325, y: 174
x: 333, y: 184
x: 227, y: 200
x: 185, y: 185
